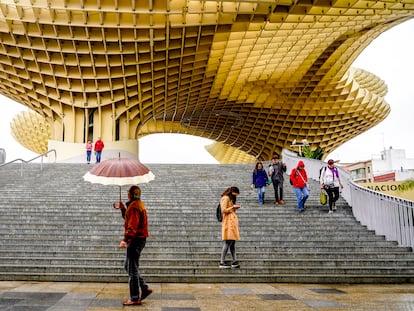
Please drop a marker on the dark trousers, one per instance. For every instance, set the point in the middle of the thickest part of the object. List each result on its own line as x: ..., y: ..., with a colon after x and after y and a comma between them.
x: 333, y: 196
x: 134, y: 250
x: 228, y: 244
x: 278, y: 187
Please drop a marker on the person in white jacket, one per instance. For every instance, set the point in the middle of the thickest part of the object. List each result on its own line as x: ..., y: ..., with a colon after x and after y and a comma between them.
x: 330, y: 181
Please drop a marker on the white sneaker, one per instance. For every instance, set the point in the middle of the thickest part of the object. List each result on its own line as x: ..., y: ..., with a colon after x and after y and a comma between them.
x: 224, y: 265
x: 330, y: 212
x: 235, y: 264
x: 334, y: 207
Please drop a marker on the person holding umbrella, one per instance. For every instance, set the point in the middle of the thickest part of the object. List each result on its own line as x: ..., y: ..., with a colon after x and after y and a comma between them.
x: 120, y: 172
x: 135, y: 236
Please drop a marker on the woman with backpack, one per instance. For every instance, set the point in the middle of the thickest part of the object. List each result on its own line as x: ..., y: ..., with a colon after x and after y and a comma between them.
x: 229, y: 226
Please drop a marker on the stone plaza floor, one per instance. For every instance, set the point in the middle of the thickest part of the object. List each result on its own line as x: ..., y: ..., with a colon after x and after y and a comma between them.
x: 75, y: 296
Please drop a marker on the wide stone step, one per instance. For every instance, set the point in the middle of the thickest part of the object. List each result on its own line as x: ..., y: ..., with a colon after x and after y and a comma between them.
x: 177, y: 220
x: 190, y: 241
x: 196, y: 271
x: 245, y: 225
x: 110, y: 254
x: 92, y: 248
x: 189, y: 235
x: 215, y: 278
x: 196, y: 262
x: 160, y: 228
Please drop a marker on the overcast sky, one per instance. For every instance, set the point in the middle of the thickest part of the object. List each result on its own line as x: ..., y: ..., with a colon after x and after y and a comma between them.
x: 390, y: 57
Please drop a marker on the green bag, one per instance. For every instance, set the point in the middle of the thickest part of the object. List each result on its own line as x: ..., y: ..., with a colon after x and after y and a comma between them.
x: 323, y: 197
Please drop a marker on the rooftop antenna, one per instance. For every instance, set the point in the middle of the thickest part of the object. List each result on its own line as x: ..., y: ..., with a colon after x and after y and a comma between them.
x: 383, y: 140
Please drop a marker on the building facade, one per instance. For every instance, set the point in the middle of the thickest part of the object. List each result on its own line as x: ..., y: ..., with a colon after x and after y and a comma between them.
x: 389, y: 165
x: 385, y: 173
x: 361, y: 172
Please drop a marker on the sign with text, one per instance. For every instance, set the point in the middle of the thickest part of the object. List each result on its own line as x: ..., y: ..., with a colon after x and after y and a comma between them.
x: 395, y: 188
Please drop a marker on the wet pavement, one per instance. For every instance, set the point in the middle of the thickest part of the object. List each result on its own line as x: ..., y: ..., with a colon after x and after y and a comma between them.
x: 76, y: 296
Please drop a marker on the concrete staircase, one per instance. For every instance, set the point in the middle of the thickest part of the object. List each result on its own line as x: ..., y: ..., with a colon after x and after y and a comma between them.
x: 56, y: 227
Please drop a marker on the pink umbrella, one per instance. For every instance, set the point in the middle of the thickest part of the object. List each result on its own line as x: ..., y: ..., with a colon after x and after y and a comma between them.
x: 119, y: 172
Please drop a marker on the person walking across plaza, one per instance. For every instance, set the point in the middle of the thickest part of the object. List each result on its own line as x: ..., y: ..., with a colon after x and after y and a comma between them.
x: 135, y: 237
x: 276, y: 170
x: 99, y: 145
x: 259, y: 181
x: 330, y: 181
x: 88, y: 148
x: 229, y: 226
x: 299, y: 180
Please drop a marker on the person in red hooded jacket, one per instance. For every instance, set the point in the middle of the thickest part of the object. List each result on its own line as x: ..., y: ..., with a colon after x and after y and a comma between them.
x: 299, y: 180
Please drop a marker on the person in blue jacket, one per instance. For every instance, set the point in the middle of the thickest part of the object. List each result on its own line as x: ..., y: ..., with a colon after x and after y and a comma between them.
x: 259, y: 181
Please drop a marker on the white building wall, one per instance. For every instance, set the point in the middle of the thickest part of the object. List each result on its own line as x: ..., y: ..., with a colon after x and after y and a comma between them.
x: 400, y: 176
x: 392, y: 160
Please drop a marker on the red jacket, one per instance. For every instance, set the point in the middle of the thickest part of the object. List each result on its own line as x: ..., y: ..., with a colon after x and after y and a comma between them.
x: 298, y: 176
x: 135, y: 221
x: 99, y: 145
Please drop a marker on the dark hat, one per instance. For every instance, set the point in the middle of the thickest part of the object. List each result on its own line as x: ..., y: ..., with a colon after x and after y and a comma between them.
x: 330, y: 162
x: 275, y: 156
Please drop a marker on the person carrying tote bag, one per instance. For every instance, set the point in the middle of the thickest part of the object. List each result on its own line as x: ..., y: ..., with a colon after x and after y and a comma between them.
x: 331, y: 182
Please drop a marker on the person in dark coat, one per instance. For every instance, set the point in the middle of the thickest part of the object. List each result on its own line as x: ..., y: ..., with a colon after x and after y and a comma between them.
x: 259, y: 181
x: 276, y: 170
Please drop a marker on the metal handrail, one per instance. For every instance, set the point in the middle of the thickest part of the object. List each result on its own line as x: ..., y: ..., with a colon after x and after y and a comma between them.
x: 41, y: 156
x: 385, y: 214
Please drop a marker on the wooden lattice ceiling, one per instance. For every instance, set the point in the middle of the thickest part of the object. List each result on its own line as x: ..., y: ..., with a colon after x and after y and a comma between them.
x: 251, y: 75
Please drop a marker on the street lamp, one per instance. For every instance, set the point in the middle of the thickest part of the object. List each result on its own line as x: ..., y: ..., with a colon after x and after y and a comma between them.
x: 300, y: 145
